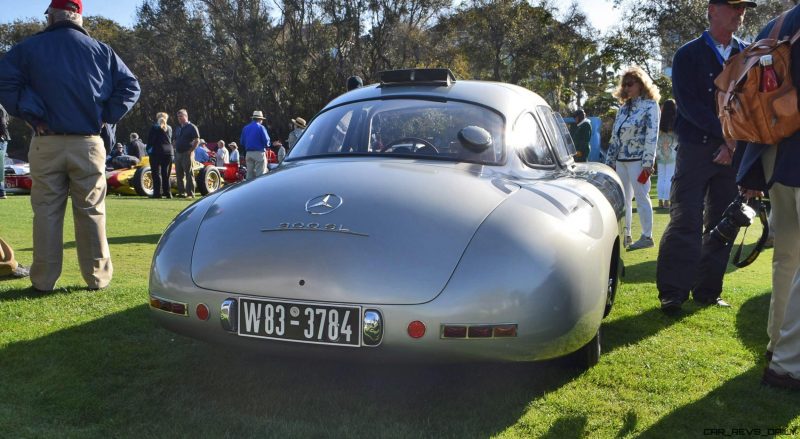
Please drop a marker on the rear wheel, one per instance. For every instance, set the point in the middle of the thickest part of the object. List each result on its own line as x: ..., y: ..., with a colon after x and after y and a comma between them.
x: 588, y: 355
x: 143, y: 181
x: 208, y: 180
x: 614, y: 273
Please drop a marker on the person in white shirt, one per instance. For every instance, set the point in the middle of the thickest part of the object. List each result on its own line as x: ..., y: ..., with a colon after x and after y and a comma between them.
x: 234, y: 150
x: 223, y: 157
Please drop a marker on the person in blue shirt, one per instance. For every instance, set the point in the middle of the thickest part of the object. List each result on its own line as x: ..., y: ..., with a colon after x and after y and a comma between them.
x: 255, y: 141
x: 67, y: 86
x: 201, y: 152
x: 704, y: 183
x: 775, y: 168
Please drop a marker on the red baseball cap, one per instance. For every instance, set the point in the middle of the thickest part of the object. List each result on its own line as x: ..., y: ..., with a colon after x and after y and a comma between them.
x: 68, y: 5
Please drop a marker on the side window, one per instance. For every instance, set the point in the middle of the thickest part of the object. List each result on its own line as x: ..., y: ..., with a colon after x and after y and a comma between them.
x: 531, y: 142
x: 558, y: 133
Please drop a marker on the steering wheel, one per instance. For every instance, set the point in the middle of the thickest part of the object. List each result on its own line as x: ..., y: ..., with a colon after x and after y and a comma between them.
x: 426, y: 148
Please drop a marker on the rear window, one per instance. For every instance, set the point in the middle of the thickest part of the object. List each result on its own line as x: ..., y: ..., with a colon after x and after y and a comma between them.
x: 414, y: 128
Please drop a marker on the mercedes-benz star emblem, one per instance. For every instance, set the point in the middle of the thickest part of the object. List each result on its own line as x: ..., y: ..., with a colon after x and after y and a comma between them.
x: 323, y: 204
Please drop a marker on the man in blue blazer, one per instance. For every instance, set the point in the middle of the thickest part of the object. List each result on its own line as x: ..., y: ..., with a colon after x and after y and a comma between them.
x: 705, y: 182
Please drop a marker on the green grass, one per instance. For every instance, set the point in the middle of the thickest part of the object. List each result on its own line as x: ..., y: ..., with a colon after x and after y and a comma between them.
x: 80, y: 364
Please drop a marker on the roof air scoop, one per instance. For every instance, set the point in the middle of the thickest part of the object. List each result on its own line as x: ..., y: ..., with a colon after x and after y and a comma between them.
x: 439, y: 77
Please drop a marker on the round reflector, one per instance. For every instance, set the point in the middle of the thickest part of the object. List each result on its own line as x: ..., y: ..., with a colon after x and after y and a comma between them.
x: 201, y: 311
x: 416, y: 329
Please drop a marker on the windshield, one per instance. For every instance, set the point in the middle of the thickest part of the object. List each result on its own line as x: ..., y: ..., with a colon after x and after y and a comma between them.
x: 414, y: 128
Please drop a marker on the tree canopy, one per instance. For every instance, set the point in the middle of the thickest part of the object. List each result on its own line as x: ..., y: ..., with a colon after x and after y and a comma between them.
x: 222, y: 59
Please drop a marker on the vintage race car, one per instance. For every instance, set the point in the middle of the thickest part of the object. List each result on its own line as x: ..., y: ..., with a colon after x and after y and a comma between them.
x: 18, y: 176
x: 138, y: 180
x: 422, y: 218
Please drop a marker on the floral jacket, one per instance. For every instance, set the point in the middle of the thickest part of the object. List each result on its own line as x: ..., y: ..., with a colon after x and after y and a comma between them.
x: 635, y: 133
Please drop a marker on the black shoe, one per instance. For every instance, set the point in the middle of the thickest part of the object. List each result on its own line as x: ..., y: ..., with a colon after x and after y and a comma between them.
x: 671, y: 306
x: 168, y: 196
x: 96, y: 288
x: 155, y: 196
x: 713, y: 302
x: 774, y: 379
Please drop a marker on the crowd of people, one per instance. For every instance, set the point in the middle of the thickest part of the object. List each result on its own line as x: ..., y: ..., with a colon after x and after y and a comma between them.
x: 701, y: 173
x: 182, y: 145
x: 697, y: 164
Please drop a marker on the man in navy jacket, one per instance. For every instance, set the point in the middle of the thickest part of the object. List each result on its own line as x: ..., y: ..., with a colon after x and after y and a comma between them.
x: 67, y: 86
x: 704, y: 183
x: 777, y: 168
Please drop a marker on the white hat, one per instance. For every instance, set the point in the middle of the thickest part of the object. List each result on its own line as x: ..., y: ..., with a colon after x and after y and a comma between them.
x: 299, y: 121
x: 257, y: 115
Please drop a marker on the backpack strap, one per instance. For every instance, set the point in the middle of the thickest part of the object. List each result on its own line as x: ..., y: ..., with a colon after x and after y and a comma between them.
x: 776, y: 28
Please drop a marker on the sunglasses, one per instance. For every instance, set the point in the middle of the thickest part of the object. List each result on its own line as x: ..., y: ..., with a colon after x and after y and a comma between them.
x: 629, y: 83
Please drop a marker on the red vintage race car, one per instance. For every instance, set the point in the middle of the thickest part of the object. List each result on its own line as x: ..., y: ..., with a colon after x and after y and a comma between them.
x: 138, y: 180
x: 18, y: 176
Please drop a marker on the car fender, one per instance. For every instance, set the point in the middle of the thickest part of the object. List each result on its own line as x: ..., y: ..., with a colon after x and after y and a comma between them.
x: 535, y: 273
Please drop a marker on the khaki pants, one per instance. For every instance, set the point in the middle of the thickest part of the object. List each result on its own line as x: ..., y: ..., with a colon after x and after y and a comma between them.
x: 256, y: 162
x: 75, y: 166
x: 784, y: 308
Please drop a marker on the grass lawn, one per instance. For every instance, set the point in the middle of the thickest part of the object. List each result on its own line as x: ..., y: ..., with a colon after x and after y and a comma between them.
x: 76, y: 363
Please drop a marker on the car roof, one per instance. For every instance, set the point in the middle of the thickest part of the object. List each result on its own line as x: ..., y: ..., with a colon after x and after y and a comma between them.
x: 508, y: 99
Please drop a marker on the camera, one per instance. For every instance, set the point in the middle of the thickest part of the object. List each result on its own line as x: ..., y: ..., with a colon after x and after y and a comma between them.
x: 738, y: 214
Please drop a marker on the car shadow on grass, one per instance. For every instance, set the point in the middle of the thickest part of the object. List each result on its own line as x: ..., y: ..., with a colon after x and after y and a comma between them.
x: 124, y: 376
x: 741, y: 406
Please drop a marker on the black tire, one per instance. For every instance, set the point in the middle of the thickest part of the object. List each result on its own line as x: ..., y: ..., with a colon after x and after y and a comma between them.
x: 143, y: 181
x: 614, y: 273
x: 208, y: 180
x: 588, y: 355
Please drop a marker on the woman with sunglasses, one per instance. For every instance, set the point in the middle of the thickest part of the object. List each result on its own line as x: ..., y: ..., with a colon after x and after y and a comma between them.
x: 632, y: 148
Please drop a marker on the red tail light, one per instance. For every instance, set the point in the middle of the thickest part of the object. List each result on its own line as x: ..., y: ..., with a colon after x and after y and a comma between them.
x: 170, y: 307
x: 505, y: 331
x: 480, y: 331
x: 202, y: 311
x: 454, y: 332
x: 466, y: 331
x: 416, y: 329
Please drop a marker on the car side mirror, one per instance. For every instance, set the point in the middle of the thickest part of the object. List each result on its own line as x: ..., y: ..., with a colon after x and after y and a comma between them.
x: 475, y: 139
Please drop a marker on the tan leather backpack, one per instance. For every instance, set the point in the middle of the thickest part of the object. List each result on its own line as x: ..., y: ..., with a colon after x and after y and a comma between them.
x: 748, y: 114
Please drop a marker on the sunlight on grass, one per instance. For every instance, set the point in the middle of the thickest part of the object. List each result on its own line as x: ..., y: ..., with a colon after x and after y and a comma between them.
x: 77, y: 363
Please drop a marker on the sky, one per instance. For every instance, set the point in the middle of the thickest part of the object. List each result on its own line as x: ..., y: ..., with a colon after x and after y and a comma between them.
x: 600, y: 12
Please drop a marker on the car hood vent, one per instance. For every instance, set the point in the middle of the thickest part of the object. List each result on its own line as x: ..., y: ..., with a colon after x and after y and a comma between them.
x: 379, y: 231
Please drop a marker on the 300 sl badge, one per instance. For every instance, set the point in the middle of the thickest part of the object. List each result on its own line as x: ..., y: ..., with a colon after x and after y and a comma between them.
x: 313, y: 227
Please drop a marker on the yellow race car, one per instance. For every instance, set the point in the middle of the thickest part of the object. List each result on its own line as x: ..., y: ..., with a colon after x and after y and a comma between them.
x: 138, y: 180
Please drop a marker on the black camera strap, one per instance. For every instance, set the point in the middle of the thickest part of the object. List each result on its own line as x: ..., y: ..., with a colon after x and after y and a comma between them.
x: 762, y: 215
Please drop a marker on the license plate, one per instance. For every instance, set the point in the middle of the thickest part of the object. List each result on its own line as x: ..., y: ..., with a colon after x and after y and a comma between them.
x: 11, y: 183
x: 300, y: 322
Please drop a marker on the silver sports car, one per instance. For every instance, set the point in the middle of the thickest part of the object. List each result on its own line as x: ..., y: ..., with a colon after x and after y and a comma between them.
x: 421, y: 218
